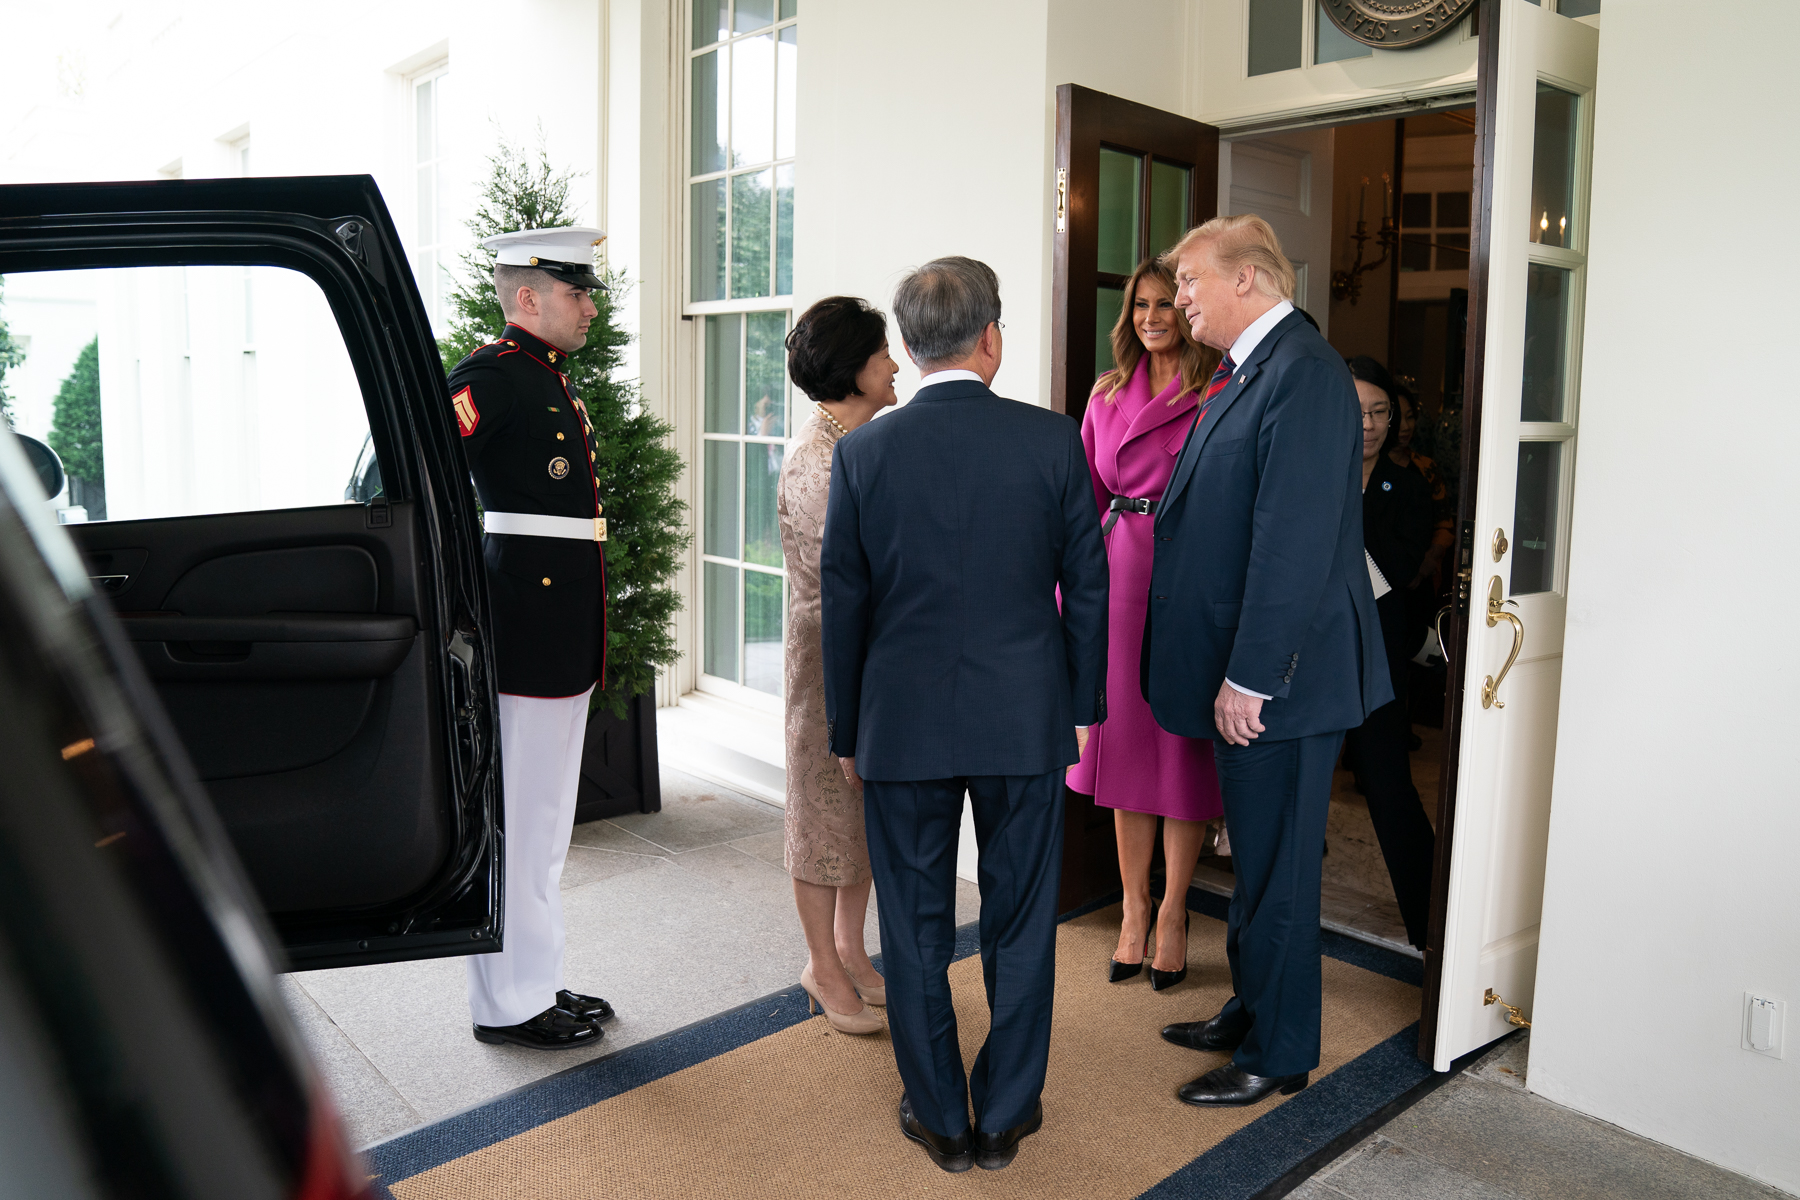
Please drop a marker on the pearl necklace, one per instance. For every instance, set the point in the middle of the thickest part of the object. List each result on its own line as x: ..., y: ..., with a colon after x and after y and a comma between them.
x: 835, y: 423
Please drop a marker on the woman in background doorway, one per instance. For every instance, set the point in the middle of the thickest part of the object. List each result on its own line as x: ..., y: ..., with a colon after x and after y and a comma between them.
x: 1137, y: 420
x: 838, y: 355
x: 1406, y: 423
x: 1397, y: 517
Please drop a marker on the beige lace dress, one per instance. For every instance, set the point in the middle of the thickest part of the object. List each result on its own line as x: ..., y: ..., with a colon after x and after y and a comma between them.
x: 825, y: 841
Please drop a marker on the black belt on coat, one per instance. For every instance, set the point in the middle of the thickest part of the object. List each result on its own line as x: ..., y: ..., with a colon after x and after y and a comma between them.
x: 1125, y: 504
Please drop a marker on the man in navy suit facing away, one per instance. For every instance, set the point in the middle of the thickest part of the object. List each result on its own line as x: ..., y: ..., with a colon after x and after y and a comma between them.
x: 1262, y: 633
x: 949, y: 670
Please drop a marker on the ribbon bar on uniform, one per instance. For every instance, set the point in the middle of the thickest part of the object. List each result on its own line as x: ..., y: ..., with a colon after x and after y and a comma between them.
x: 581, y: 529
x: 1126, y: 504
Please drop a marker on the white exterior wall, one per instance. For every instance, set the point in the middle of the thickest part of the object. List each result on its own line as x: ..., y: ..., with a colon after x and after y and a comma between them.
x: 168, y: 89
x: 1670, y: 888
x: 936, y: 135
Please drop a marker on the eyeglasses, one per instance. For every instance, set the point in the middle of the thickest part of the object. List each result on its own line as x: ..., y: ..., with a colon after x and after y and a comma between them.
x: 1000, y: 325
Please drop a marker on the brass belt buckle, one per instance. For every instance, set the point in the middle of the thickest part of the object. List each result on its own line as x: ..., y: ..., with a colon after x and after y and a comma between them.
x: 599, y: 529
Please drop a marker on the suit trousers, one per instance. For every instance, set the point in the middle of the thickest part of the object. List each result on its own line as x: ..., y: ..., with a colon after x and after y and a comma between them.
x: 540, y: 771
x: 1277, y: 795
x: 912, y: 828
x: 1383, y: 762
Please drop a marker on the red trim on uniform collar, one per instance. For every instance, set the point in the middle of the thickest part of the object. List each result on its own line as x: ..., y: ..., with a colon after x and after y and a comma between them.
x: 533, y: 345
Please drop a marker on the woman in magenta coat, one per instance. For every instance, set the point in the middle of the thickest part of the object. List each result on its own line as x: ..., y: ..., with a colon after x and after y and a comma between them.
x: 1137, y: 419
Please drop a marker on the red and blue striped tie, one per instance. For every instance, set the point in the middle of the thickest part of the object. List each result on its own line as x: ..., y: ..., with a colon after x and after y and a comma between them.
x: 1216, y: 384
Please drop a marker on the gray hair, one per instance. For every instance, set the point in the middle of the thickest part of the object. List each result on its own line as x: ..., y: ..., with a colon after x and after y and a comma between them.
x: 509, y: 279
x: 943, y: 307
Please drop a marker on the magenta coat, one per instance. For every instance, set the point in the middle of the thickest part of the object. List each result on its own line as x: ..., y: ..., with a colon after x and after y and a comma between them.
x: 1131, y: 762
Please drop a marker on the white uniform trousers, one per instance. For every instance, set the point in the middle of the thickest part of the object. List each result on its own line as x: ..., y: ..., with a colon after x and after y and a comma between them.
x: 540, y: 756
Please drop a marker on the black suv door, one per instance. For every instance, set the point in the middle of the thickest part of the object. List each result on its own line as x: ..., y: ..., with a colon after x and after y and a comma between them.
x: 322, y: 658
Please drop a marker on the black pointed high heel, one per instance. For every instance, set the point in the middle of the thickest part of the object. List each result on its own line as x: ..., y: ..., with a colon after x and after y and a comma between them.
x: 1160, y: 980
x: 1119, y: 971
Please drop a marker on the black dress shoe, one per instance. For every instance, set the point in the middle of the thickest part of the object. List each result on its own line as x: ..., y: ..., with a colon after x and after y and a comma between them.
x: 1228, y: 1086
x: 951, y: 1153
x: 592, y: 1007
x: 995, y: 1150
x: 552, y: 1029
x: 1215, y: 1034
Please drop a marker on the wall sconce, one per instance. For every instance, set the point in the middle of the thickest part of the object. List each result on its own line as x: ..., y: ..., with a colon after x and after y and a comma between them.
x: 1347, y: 285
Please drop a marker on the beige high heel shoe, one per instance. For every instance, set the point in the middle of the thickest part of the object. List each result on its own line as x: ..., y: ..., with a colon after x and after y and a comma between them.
x: 864, y: 1022
x: 871, y: 995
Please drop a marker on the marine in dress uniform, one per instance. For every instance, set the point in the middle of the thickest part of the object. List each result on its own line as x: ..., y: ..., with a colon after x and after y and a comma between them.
x: 531, y: 450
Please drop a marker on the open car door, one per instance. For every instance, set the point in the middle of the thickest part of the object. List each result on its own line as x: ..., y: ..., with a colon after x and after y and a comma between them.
x: 320, y: 651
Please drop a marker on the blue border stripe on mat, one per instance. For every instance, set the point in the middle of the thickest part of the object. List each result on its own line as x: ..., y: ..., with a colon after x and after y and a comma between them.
x: 600, y: 1079
x: 1254, y: 1157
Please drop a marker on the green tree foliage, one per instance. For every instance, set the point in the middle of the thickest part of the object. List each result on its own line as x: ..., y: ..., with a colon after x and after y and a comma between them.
x: 646, y: 524
x: 10, y: 357
x: 75, y: 423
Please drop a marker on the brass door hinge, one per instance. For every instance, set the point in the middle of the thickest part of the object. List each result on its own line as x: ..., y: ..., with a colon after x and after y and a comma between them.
x: 1062, y: 199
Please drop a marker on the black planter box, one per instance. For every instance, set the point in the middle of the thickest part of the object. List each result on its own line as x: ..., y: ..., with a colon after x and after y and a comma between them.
x: 619, y: 772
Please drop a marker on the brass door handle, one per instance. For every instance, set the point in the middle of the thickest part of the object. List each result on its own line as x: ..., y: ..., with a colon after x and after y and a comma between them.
x: 1496, y: 613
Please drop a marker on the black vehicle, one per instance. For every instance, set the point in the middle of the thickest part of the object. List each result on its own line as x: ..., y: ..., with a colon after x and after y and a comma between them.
x: 234, y: 742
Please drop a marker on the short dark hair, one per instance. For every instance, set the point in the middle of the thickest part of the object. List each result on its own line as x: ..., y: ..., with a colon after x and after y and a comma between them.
x: 509, y: 279
x: 1370, y: 371
x: 830, y: 343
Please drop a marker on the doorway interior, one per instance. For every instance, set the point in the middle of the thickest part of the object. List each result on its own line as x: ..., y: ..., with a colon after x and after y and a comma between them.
x: 1376, y: 216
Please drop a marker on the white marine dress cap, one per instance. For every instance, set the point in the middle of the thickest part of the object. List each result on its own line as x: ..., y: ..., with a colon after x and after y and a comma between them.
x: 567, y: 252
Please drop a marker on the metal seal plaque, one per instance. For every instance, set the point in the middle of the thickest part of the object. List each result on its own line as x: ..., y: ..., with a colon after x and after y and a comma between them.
x: 1397, y: 25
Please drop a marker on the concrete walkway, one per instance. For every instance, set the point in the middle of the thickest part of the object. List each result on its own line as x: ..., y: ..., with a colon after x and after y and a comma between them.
x: 673, y: 916
x: 1482, y: 1136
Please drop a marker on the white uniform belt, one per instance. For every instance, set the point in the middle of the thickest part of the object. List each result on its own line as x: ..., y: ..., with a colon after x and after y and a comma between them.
x: 582, y: 529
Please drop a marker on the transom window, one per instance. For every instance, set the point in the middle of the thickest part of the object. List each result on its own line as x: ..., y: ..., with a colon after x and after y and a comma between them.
x: 742, y: 75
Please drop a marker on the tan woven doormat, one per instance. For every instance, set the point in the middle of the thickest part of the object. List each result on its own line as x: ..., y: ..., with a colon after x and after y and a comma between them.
x: 805, y: 1111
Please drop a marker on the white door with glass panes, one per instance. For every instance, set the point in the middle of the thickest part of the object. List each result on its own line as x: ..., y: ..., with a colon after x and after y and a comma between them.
x: 742, y: 62
x: 1536, y: 239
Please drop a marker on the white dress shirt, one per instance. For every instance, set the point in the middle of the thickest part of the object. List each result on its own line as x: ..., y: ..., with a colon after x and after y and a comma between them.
x: 950, y: 377
x: 1243, y: 348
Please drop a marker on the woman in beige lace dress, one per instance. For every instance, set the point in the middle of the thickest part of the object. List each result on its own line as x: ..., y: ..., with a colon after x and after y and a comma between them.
x: 838, y: 355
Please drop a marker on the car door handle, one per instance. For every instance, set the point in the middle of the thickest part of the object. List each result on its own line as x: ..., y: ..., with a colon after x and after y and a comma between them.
x: 1490, y: 687
x: 270, y: 627
x: 340, y: 646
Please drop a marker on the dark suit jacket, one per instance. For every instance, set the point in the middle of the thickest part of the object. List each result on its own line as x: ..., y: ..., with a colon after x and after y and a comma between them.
x: 950, y: 526
x: 1397, y: 523
x: 1259, y: 573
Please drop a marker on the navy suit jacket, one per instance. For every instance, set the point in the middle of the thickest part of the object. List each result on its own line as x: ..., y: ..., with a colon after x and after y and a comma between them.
x: 1259, y: 573
x: 950, y: 525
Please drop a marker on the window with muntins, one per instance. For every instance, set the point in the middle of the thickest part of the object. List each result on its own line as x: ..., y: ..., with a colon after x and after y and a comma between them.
x: 431, y: 222
x: 743, y: 57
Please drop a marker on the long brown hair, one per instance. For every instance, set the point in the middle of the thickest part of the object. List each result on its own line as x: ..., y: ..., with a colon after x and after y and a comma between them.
x: 1197, y: 361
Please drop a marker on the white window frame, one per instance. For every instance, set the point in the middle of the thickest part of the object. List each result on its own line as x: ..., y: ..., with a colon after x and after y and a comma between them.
x: 435, y: 299
x: 699, y: 310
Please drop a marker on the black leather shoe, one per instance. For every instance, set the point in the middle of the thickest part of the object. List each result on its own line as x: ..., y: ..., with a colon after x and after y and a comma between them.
x: 1214, y: 1034
x: 592, y: 1007
x: 995, y: 1150
x: 951, y: 1153
x: 1228, y: 1086
x: 552, y: 1029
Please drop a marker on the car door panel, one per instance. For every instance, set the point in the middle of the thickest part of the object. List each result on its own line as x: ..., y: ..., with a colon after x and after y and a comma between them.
x: 286, y: 648
x: 327, y: 667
